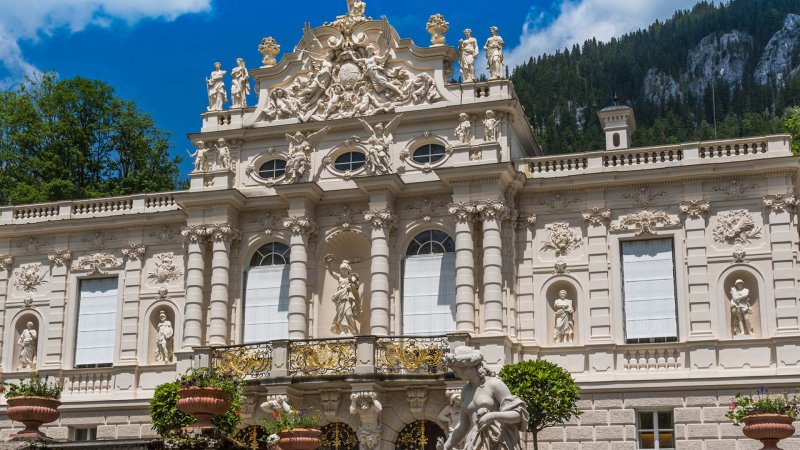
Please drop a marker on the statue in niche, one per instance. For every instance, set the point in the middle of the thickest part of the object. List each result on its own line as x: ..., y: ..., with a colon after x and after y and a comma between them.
x: 468, y: 49
x: 378, y: 160
x: 217, y: 96
x: 27, y: 347
x: 491, y: 126
x: 491, y: 417
x: 164, y: 338
x: 450, y: 414
x: 346, y: 299
x: 300, y: 148
x: 223, y: 154
x: 564, y: 330
x: 741, y: 309
x: 463, y: 131
x: 200, y: 157
x: 494, y: 55
x: 368, y: 408
x: 240, y: 86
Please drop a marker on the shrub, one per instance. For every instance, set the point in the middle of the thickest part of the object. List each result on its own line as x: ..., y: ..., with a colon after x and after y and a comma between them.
x: 763, y: 403
x: 34, y: 386
x: 287, y: 420
x: 549, y: 392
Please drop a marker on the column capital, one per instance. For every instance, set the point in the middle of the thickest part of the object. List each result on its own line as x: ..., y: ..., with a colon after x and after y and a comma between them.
x: 58, y: 258
x: 780, y: 202
x: 492, y: 210
x: 300, y: 225
x: 133, y: 252
x: 381, y: 218
x: 596, y: 216
x: 6, y: 262
x: 193, y: 233
x: 694, y: 209
x: 221, y: 232
x: 463, y: 211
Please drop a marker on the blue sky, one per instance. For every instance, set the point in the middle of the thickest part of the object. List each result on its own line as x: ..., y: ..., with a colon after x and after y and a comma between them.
x: 158, y: 52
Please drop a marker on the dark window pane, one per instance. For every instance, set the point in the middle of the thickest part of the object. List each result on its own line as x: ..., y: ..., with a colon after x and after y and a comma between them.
x: 646, y: 420
x: 274, y: 253
x: 431, y: 242
x: 349, y: 161
x: 665, y: 420
x: 274, y: 168
x: 429, y: 154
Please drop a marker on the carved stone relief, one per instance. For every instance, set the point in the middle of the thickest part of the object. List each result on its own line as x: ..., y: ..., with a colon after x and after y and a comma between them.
x: 381, y: 218
x: 694, y: 208
x: 32, y: 244
x: 134, y: 252
x: 736, y: 227
x: 379, y: 161
x: 596, y: 216
x: 6, y: 262
x: 561, y: 239
x: 365, y: 404
x: 165, y: 234
x: 644, y: 196
x: 735, y: 189
x: 558, y: 203
x: 29, y: 278
x: 644, y: 222
x: 417, y: 396
x: 96, y: 263
x: 60, y: 257
x: 426, y: 209
x: 739, y: 255
x: 165, y: 269
x: 330, y: 399
x: 97, y: 240
x: 780, y: 202
x: 300, y: 225
x: 301, y: 146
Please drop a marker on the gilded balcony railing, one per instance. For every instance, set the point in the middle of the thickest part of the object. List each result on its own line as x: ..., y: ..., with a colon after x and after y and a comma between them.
x: 322, y: 357
x: 411, y: 355
x: 246, y: 360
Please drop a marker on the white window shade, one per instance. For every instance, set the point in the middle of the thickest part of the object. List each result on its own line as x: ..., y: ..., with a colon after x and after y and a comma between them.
x: 97, y: 322
x: 649, y: 288
x: 429, y: 294
x: 266, y: 304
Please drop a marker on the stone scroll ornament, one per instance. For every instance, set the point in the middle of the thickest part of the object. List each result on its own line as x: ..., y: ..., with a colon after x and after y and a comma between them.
x: 349, y: 75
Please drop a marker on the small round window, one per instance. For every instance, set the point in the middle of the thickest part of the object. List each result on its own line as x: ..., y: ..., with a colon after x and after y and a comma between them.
x: 274, y: 168
x: 349, y: 161
x: 428, y: 154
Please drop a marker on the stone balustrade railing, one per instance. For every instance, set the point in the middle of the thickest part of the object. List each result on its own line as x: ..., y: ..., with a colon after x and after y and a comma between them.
x: 721, y: 151
x: 133, y: 204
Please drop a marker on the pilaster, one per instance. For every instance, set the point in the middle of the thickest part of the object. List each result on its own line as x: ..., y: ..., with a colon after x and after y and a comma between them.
x: 700, y: 313
x: 6, y: 265
x: 134, y: 258
x: 599, y: 292
x: 53, y: 346
x: 779, y: 210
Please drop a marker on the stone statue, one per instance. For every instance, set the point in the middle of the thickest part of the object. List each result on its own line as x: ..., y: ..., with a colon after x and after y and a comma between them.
x: 368, y: 408
x: 276, y: 404
x: 491, y: 417
x: 346, y: 299
x: 563, y: 331
x: 200, y: 157
x: 378, y: 160
x: 300, y: 148
x: 377, y: 72
x: 464, y: 129
x: 217, y: 96
x: 240, y: 86
x: 223, y: 154
x: 356, y: 8
x: 491, y: 126
x: 451, y: 413
x: 27, y: 347
x: 468, y: 49
x: 494, y: 55
x: 164, y: 338
x: 741, y: 309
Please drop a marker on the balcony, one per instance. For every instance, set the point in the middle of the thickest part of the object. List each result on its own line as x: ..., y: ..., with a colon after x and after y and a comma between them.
x: 350, y: 357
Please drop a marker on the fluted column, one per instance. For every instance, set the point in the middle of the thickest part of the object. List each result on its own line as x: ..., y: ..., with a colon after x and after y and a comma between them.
x: 382, y: 222
x: 193, y: 308
x: 301, y: 228
x: 464, y: 213
x: 221, y: 236
x: 492, y: 213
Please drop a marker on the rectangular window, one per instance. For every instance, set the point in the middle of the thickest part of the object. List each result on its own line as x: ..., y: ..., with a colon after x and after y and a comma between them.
x: 97, y: 322
x: 429, y: 294
x: 656, y: 430
x: 86, y: 434
x: 648, y: 273
x: 266, y: 303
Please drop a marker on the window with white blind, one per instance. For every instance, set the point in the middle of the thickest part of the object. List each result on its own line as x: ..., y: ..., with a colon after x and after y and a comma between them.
x: 429, y: 289
x: 266, y: 297
x: 97, y: 323
x: 648, y: 272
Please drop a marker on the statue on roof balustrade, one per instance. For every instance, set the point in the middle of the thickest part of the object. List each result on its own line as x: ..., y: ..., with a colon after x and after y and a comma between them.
x: 494, y: 55
x: 240, y: 86
x: 217, y: 95
x: 468, y: 49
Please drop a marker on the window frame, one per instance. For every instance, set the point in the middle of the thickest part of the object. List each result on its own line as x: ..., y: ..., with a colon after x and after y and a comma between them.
x: 429, y: 146
x: 656, y: 430
x: 79, y: 280
x: 335, y: 161
x: 262, y: 164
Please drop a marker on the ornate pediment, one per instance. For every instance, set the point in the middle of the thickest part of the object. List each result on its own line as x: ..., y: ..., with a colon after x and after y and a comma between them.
x: 348, y: 68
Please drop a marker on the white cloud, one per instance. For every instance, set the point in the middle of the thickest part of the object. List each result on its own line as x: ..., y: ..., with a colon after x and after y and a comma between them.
x: 579, y: 20
x: 31, y: 20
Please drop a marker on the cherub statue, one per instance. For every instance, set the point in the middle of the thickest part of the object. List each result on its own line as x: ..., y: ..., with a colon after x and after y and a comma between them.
x: 240, y: 86
x: 468, y: 49
x: 356, y: 8
x: 223, y: 154
x: 346, y: 298
x: 365, y: 100
x: 368, y: 408
x: 494, y: 55
x: 217, y: 96
x: 300, y: 148
x: 378, y: 160
x: 464, y: 129
x: 200, y: 157
x: 491, y: 126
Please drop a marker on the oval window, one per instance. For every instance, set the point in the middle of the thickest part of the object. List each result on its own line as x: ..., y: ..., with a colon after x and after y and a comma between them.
x: 428, y: 154
x: 615, y: 138
x: 349, y: 161
x: 274, y: 168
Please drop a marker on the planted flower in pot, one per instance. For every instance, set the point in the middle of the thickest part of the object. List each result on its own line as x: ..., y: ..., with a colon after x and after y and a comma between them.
x: 297, y: 429
x: 767, y: 418
x: 33, y: 402
x: 206, y: 393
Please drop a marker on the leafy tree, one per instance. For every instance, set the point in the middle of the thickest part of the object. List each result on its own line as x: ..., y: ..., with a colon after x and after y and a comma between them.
x: 548, y: 391
x: 792, y: 122
x: 75, y: 138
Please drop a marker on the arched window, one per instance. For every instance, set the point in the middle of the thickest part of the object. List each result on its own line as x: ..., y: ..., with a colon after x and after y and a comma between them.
x: 272, y: 169
x: 349, y: 161
x: 428, y: 154
x: 266, y: 297
x: 429, y: 290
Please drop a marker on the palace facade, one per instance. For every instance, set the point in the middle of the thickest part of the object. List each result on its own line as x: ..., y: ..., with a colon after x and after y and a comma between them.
x: 370, y: 214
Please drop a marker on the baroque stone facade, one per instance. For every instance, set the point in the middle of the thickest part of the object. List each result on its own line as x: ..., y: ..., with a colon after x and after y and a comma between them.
x: 454, y: 229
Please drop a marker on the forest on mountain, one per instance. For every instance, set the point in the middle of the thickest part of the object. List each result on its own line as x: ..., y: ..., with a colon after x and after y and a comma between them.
x: 737, y: 61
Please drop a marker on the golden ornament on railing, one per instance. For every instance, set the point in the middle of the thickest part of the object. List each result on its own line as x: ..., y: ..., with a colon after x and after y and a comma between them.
x: 251, y: 360
x: 322, y: 357
x: 338, y: 436
x: 411, y: 355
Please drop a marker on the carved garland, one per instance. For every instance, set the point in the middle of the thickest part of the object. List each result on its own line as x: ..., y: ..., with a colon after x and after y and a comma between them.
x: 29, y: 278
x: 165, y: 269
x: 97, y: 263
x: 561, y: 239
x: 736, y: 227
x: 644, y: 222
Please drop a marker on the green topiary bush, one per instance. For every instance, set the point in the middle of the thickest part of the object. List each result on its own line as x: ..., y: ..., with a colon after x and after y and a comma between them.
x: 549, y: 392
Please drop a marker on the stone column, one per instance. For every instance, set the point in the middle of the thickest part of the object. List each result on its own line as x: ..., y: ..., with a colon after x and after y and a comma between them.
x: 599, y: 296
x: 131, y: 313
x: 464, y: 213
x: 701, y: 311
x: 6, y: 265
x: 782, y: 238
x: 195, y: 267
x: 492, y: 214
x: 382, y: 222
x: 301, y: 228
x: 221, y: 236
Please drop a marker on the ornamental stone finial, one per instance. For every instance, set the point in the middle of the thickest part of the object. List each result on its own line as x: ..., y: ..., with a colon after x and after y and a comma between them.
x: 270, y: 49
x: 437, y: 27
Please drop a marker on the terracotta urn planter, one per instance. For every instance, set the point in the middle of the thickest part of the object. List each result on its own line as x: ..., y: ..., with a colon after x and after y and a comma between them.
x: 33, y: 412
x: 768, y: 428
x: 299, y: 439
x: 203, y: 404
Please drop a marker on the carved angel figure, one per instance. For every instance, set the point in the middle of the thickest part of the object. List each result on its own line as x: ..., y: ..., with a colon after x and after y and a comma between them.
x: 378, y: 160
x: 468, y: 49
x: 464, y: 129
x: 741, y: 309
x: 377, y: 73
x: 346, y: 299
x: 300, y: 148
x: 494, y: 55
x: 240, y: 86
x: 217, y: 96
x: 368, y: 408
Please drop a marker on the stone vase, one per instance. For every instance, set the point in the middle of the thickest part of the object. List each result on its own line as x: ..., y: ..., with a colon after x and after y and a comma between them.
x: 203, y: 404
x: 299, y: 439
x: 33, y: 412
x: 768, y: 428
